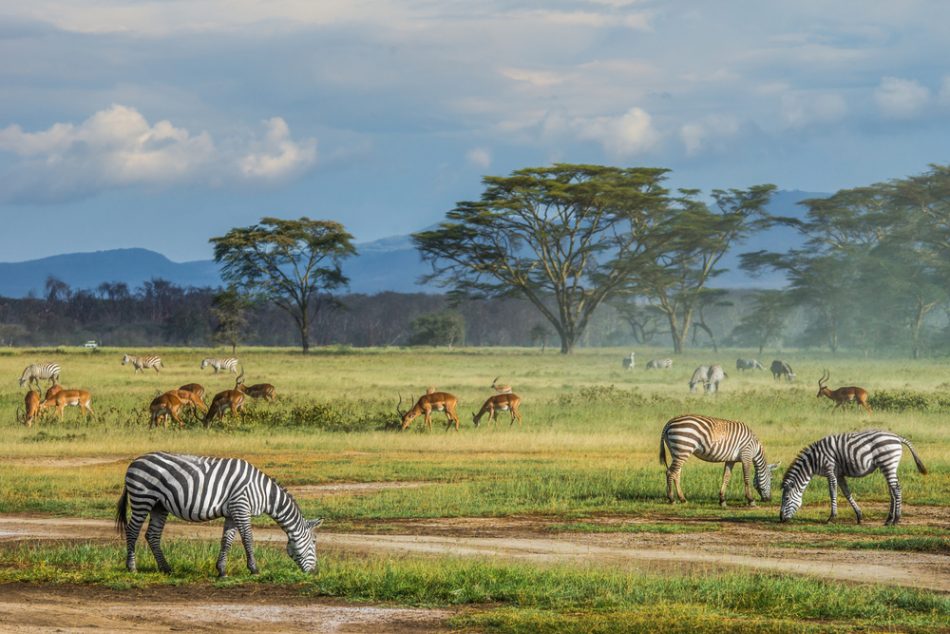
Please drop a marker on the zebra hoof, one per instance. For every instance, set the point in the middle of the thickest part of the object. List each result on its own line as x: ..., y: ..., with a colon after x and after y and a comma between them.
x: 752, y: 503
x: 723, y: 504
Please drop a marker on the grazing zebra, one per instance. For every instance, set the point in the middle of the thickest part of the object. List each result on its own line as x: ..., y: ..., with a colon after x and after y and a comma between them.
x: 748, y: 364
x: 198, y: 489
x: 700, y: 376
x: 715, y: 377
x: 40, y: 372
x: 780, y: 369
x: 659, y: 364
x: 143, y: 363
x: 853, y: 455
x: 715, y: 440
x: 230, y: 363
x: 630, y: 361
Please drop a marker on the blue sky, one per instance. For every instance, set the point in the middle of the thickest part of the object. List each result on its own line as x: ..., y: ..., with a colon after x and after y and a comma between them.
x: 158, y: 124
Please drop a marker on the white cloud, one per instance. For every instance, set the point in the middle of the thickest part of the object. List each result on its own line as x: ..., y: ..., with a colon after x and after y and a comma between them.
x: 901, y: 98
x: 479, y: 157
x: 117, y: 147
x: 803, y: 110
x: 278, y: 157
x: 698, y: 135
x: 621, y: 136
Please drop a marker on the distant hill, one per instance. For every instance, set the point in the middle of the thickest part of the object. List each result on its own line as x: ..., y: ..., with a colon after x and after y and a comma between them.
x: 388, y: 264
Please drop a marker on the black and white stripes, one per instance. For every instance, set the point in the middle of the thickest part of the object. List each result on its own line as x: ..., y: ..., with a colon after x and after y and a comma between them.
x: 841, y: 456
x: 198, y: 489
x: 146, y: 362
x: 40, y: 372
x: 715, y: 440
x: 229, y: 363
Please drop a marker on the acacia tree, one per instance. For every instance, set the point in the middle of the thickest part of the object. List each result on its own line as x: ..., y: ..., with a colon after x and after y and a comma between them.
x: 564, y: 237
x: 676, y: 282
x: 229, y: 308
x: 293, y: 263
x: 765, y: 322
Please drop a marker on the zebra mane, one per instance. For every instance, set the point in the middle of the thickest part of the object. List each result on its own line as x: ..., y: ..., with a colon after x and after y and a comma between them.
x: 796, y: 464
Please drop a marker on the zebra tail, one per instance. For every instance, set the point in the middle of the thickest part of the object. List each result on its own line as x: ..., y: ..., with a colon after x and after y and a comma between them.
x: 663, y: 453
x: 120, y: 512
x: 913, y: 452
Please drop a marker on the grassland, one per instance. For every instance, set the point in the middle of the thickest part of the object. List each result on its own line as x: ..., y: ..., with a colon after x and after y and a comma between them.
x: 584, y: 465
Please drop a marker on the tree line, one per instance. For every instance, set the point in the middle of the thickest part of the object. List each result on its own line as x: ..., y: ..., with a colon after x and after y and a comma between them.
x: 567, y: 253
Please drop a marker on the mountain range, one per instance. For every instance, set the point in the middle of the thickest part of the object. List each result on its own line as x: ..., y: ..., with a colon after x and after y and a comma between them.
x: 388, y: 264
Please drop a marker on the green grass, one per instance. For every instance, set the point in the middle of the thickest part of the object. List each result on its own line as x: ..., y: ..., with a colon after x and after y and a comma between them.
x: 511, y: 597
x: 586, y: 460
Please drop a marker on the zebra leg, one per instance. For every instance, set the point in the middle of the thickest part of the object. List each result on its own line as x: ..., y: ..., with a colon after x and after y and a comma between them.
x: 244, y: 527
x: 132, y: 529
x: 746, y: 470
x: 847, y: 493
x: 227, y: 538
x: 894, y: 487
x: 726, y: 475
x: 675, y: 471
x: 833, y: 492
x: 153, y: 535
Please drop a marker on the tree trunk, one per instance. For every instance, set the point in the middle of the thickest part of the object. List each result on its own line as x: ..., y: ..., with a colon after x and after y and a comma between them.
x: 304, y: 334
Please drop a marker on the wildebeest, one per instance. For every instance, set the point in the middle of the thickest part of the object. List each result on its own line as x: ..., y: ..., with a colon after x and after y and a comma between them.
x: 700, y: 377
x: 629, y: 361
x: 714, y: 377
x: 659, y: 364
x: 748, y: 364
x: 780, y: 369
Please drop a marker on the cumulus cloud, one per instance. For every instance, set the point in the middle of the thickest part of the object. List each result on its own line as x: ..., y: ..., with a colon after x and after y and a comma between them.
x: 621, y: 136
x: 278, y: 157
x: 117, y: 147
x: 479, y: 157
x: 901, y: 98
x: 803, y: 110
x: 698, y: 135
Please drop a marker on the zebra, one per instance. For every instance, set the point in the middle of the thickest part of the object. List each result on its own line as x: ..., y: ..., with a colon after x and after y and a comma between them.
x: 630, y: 361
x: 854, y: 455
x: 659, y: 364
x: 780, y: 368
x: 143, y: 363
x: 748, y: 364
x: 198, y: 489
x: 715, y: 440
x: 700, y: 376
x: 40, y: 372
x: 230, y: 363
x: 715, y: 377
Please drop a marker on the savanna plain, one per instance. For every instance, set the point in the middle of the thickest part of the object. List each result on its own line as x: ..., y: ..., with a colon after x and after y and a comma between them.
x: 559, y: 524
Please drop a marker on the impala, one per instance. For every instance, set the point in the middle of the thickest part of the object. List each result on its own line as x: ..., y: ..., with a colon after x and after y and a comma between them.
x: 438, y: 401
x: 505, y: 402
x: 163, y: 406
x: 501, y: 389
x: 259, y: 390
x: 31, y: 409
x: 222, y: 401
x: 64, y: 398
x: 843, y: 394
x: 53, y: 391
x: 194, y: 388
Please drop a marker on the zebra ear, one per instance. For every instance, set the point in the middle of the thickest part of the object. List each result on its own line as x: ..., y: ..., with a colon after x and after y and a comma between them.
x: 773, y: 467
x: 312, y: 524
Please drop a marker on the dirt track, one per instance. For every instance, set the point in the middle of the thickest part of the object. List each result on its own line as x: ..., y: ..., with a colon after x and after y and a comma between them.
x: 520, y: 539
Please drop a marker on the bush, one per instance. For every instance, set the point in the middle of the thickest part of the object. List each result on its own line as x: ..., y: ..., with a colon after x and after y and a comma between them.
x: 906, y: 400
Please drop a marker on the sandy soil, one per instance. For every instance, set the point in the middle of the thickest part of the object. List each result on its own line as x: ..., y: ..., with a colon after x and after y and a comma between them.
x: 25, y: 608
x: 526, y: 539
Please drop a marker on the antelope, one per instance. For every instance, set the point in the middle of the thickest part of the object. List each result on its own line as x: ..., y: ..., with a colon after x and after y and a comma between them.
x: 222, y: 401
x: 501, y: 389
x: 166, y: 405
x: 188, y: 397
x: 843, y: 394
x: 438, y: 401
x: 505, y: 402
x: 194, y: 388
x: 260, y: 390
x: 31, y: 409
x: 64, y: 398
x: 53, y: 391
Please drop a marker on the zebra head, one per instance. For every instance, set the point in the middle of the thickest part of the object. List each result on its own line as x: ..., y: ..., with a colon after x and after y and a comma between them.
x: 205, y: 363
x: 302, y: 546
x: 125, y: 359
x: 763, y: 481
x: 793, y: 489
